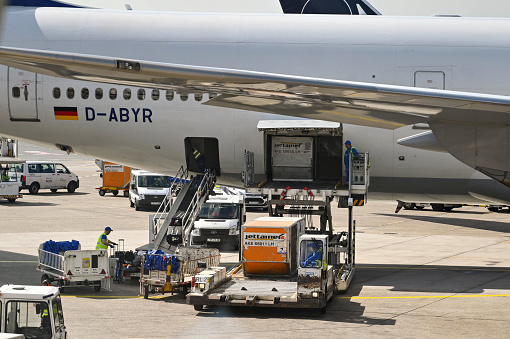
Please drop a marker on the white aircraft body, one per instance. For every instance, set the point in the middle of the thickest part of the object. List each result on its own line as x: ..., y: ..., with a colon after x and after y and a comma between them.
x: 358, y: 70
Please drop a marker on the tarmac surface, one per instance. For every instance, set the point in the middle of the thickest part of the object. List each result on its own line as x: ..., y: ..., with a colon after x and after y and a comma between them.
x: 419, y: 273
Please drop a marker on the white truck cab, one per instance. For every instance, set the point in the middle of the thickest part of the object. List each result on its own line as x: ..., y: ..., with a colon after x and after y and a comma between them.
x: 32, y: 311
x: 147, y: 190
x: 220, y: 221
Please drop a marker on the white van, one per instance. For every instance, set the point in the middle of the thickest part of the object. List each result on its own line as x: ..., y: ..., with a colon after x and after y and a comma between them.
x: 36, y: 175
x: 220, y: 221
x: 147, y: 189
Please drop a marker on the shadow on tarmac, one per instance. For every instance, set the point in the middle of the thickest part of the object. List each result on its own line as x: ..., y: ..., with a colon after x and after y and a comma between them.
x: 431, y: 279
x: 488, y: 225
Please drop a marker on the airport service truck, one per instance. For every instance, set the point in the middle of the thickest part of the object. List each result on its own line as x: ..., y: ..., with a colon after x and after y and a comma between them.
x: 147, y: 190
x: 31, y: 312
x: 220, y: 221
x: 282, y: 265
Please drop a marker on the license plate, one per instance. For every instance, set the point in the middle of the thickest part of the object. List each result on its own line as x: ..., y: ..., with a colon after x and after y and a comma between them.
x: 155, y: 203
x: 213, y: 240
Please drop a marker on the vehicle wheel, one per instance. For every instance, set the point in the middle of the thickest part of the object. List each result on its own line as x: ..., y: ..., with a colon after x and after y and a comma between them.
x: 437, y: 207
x: 71, y: 187
x: 146, y: 292
x: 420, y: 207
x: 115, y: 192
x: 448, y: 209
x: 126, y: 193
x: 409, y: 206
x: 54, y: 190
x: 198, y: 307
x: 131, y: 204
x: 11, y: 200
x: 34, y: 188
x: 45, y: 277
x: 97, y: 286
x: 137, y: 206
x: 102, y: 193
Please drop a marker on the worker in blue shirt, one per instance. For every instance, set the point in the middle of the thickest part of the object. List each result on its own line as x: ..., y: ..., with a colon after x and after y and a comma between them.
x: 347, y: 157
x: 315, y: 257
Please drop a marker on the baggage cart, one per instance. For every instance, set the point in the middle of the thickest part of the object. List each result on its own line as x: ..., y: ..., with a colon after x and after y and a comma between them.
x: 74, y: 267
x: 162, y: 273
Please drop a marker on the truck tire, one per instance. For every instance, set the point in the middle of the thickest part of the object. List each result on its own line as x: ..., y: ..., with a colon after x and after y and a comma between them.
x: 198, y: 307
x: 437, y: 207
x: 34, y: 188
x: 44, y: 278
x: 53, y: 190
x: 146, y: 291
x: 137, y: 206
x: 97, y: 286
x: 101, y: 193
x: 115, y: 192
x: 11, y: 200
x: 126, y: 194
x: 131, y: 204
x: 420, y: 207
x: 71, y: 187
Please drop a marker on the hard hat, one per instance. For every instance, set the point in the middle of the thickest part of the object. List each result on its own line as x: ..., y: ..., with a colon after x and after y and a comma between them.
x: 347, y: 142
x: 108, y: 228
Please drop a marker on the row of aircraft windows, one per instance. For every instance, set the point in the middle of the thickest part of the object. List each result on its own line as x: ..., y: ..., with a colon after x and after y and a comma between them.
x: 126, y: 93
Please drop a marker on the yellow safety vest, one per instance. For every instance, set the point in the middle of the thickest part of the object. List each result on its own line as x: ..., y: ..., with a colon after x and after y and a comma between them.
x: 100, y: 245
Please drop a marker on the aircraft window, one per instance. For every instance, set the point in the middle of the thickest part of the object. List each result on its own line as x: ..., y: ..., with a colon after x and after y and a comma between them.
x: 198, y: 97
x: 113, y: 93
x: 56, y: 92
x: 127, y: 94
x: 140, y: 94
x: 99, y: 93
x: 169, y: 95
x: 184, y: 96
x: 212, y: 95
x: 84, y: 93
x: 155, y: 94
x: 16, y: 92
x: 70, y: 93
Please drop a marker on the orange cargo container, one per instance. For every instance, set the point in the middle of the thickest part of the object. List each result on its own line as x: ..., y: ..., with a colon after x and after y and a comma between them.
x: 115, y: 178
x: 269, y: 246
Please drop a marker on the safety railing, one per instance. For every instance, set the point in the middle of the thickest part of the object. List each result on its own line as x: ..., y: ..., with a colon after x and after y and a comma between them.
x: 205, y: 186
x: 179, y: 180
x: 51, y: 261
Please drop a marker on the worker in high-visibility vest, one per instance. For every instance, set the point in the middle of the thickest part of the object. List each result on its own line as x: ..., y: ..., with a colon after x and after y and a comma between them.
x: 347, y: 158
x: 314, y: 257
x: 199, y: 157
x: 102, y: 241
x: 5, y: 176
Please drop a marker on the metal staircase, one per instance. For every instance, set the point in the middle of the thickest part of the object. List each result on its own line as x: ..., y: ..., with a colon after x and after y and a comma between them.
x: 175, y: 217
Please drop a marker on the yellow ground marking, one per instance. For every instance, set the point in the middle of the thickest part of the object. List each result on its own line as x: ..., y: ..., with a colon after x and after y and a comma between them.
x: 431, y: 296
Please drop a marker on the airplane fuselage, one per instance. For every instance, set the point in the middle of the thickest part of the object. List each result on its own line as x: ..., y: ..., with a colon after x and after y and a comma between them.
x: 147, y: 129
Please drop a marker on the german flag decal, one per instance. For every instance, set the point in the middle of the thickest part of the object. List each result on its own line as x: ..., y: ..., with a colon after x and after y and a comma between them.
x: 66, y: 113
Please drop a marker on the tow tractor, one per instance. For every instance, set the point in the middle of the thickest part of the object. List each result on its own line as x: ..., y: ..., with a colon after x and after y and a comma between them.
x: 32, y: 312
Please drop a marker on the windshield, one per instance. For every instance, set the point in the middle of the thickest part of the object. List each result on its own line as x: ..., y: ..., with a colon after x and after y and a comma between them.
x: 311, y: 253
x: 153, y: 181
x: 218, y: 211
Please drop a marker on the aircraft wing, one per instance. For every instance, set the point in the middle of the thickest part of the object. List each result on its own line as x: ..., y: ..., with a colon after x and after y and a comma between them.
x: 357, y: 103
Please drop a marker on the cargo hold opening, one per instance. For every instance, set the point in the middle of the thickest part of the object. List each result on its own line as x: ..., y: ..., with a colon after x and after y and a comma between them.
x: 302, y: 150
